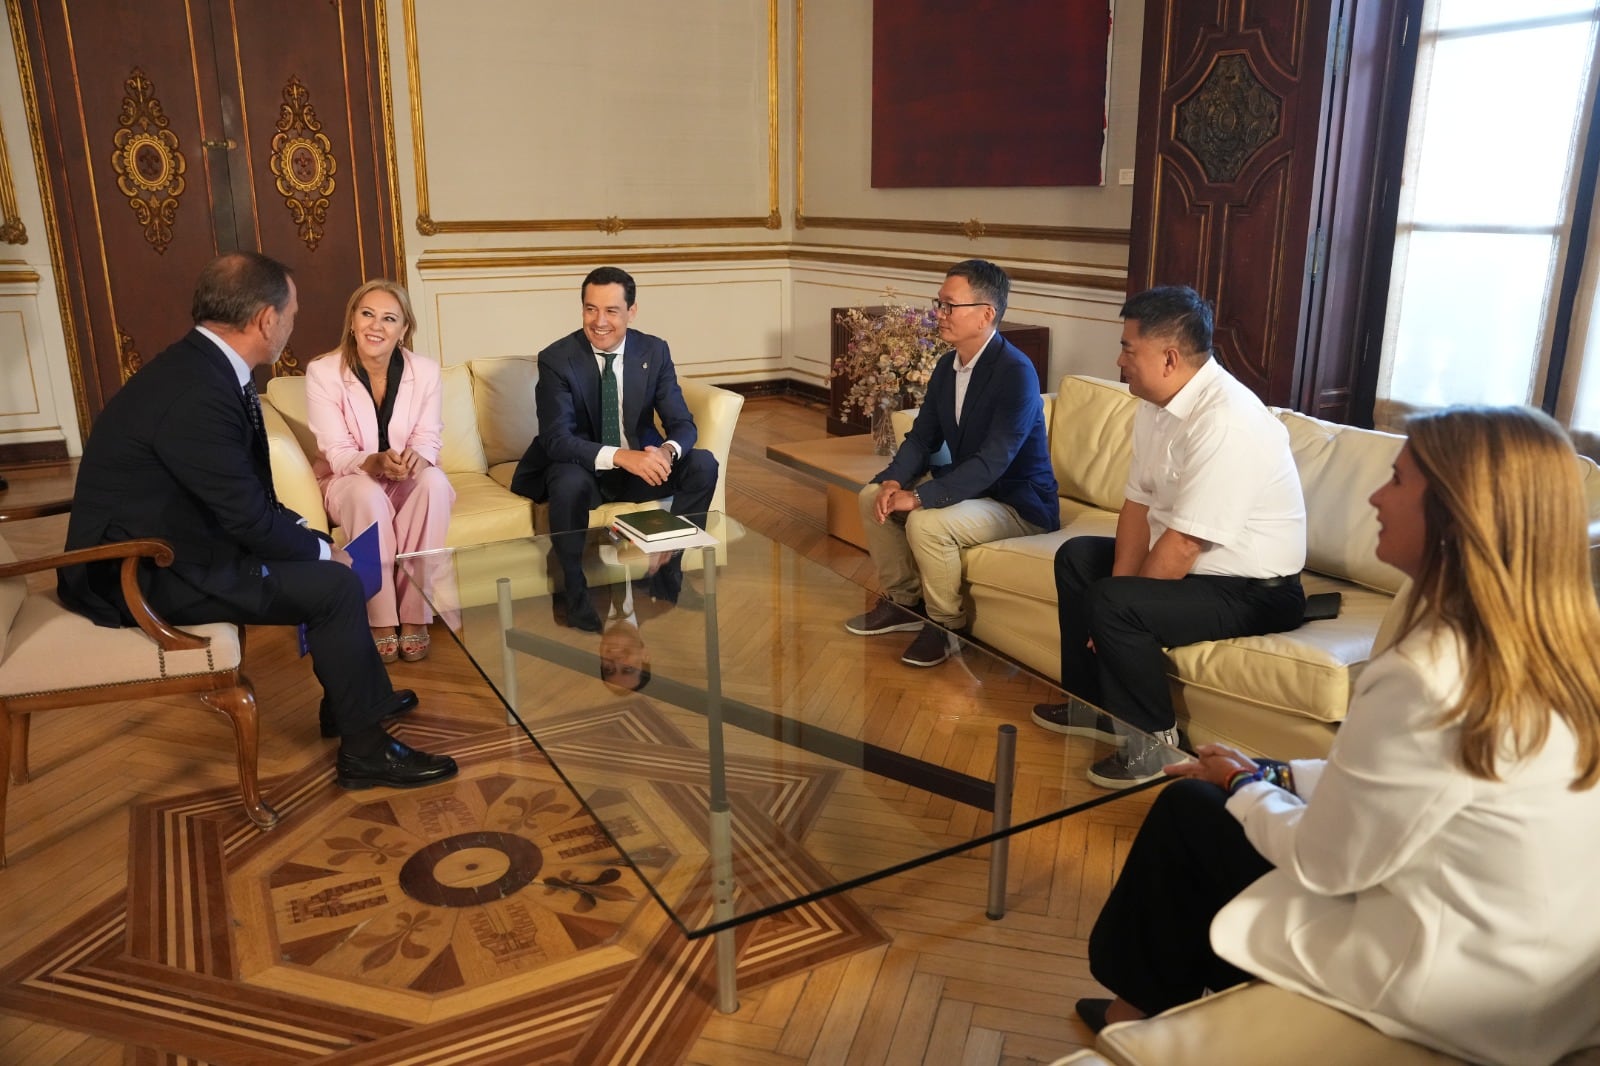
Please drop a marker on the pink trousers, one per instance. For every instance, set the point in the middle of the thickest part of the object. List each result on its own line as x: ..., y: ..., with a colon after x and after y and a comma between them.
x: 411, y: 515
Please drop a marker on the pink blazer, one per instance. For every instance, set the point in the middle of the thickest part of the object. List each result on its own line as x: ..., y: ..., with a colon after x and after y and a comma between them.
x: 345, y: 422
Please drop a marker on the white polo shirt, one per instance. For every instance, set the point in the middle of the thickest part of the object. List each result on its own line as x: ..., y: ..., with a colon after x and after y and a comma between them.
x: 1215, y: 464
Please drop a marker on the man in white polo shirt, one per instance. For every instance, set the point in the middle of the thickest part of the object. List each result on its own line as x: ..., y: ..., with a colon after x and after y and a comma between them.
x: 1210, y: 541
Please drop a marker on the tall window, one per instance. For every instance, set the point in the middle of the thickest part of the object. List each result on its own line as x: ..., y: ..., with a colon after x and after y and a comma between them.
x: 1502, y: 105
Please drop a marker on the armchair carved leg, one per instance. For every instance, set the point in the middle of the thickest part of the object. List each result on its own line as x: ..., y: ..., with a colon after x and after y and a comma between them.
x: 19, y: 748
x: 239, y: 705
x: 8, y: 734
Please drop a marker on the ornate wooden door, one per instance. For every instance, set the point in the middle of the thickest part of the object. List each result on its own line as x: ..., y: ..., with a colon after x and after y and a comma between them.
x: 178, y: 129
x: 1231, y: 123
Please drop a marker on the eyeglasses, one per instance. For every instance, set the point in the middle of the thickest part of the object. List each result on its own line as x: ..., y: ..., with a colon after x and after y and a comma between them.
x: 944, y: 307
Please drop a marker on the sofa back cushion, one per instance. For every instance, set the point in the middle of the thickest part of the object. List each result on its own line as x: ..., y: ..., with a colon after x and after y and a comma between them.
x: 1340, y: 466
x: 502, y: 393
x: 462, y: 451
x: 1091, y: 440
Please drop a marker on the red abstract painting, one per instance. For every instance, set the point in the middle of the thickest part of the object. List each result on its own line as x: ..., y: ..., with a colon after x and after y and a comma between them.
x: 989, y: 93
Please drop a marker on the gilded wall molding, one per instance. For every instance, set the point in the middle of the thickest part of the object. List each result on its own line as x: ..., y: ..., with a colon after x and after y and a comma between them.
x: 47, y: 200
x: 971, y: 229
x: 12, y: 231
x: 452, y: 260
x: 391, y: 150
x: 611, y: 225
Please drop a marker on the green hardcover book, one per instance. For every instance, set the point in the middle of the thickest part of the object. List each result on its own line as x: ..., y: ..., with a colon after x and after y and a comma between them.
x: 654, y: 525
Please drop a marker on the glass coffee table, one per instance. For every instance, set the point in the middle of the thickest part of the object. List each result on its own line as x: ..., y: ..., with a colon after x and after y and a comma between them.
x: 742, y: 751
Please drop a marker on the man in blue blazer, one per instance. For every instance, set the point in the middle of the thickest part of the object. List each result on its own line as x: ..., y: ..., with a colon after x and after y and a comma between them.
x: 983, y: 402
x: 599, y: 394
x: 179, y: 454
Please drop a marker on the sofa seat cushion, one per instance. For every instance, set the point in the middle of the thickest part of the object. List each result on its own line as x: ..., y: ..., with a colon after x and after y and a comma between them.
x: 1258, y: 1024
x: 484, y: 511
x: 1306, y: 671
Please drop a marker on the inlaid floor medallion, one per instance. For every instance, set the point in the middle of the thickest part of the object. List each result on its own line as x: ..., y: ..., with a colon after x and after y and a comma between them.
x: 485, y: 920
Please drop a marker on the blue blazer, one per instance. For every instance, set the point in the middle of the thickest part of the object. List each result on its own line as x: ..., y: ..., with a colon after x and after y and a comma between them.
x: 567, y: 397
x: 173, y: 455
x: 999, y: 450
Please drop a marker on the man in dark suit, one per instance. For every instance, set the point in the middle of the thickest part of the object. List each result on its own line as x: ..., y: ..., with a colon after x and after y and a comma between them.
x: 600, y: 392
x: 180, y: 454
x: 983, y: 402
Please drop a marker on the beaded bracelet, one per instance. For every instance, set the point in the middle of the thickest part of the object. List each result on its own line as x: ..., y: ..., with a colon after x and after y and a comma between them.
x: 1242, y: 778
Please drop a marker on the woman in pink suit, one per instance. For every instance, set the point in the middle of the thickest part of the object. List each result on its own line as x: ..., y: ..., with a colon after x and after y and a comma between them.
x: 376, y: 410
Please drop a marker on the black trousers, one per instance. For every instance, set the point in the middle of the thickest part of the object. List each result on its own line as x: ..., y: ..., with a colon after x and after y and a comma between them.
x: 1133, y: 619
x: 575, y: 490
x: 1151, y: 944
x: 327, y: 597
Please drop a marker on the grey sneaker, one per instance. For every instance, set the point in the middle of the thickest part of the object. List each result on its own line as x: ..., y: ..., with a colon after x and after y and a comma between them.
x: 929, y: 648
x: 886, y: 617
x: 1077, y: 719
x: 1140, y: 761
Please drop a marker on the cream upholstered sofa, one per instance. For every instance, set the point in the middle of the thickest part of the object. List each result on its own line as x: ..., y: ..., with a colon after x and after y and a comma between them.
x: 1258, y: 1024
x: 489, y: 420
x: 1280, y: 695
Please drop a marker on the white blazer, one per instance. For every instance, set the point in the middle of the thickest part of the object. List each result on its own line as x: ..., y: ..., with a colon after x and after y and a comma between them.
x: 1457, y: 912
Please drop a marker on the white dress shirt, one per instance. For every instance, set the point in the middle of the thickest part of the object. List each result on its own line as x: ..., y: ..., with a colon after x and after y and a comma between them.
x: 964, y: 375
x: 1215, y: 464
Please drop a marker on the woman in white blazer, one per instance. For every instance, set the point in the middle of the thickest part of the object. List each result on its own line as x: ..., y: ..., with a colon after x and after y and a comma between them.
x: 377, y: 413
x: 1436, y: 875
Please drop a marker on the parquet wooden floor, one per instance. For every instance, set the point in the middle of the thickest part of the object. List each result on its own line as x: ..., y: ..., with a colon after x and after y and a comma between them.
x: 948, y: 987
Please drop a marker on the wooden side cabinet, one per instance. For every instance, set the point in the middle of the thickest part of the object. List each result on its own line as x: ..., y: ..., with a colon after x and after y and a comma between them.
x: 1032, y: 341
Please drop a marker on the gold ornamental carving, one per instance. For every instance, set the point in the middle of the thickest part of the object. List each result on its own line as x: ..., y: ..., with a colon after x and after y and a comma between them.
x: 1228, y: 118
x: 147, y: 161
x: 302, y: 161
x: 128, y: 358
x: 288, y: 365
x: 612, y: 225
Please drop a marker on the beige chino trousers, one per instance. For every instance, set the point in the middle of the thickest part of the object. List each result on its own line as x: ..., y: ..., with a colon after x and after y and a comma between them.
x: 918, y: 553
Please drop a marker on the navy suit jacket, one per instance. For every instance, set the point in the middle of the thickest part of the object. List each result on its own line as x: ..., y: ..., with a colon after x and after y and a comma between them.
x: 567, y: 397
x: 998, y: 450
x: 173, y: 455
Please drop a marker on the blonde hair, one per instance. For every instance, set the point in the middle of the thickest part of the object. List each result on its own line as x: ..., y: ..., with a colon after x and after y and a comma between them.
x: 347, y: 344
x: 1506, y: 565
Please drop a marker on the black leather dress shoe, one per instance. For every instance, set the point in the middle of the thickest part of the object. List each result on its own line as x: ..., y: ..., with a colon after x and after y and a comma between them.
x: 394, y: 766
x: 404, y: 701
x: 1093, y: 1013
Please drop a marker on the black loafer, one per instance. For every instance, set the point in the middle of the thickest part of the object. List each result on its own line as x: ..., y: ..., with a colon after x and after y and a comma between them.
x: 404, y: 701
x: 1093, y: 1013
x: 394, y: 766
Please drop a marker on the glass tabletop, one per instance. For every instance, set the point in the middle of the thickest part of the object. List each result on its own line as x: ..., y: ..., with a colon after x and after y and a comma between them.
x: 740, y: 748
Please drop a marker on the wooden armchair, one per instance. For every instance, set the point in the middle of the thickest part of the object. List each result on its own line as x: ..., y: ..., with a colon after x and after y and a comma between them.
x: 52, y: 658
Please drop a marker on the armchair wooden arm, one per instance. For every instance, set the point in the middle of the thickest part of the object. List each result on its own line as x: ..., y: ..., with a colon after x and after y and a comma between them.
x: 130, y: 552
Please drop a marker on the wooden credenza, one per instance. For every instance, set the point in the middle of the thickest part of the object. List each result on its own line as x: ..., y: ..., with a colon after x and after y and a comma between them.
x: 1033, y: 341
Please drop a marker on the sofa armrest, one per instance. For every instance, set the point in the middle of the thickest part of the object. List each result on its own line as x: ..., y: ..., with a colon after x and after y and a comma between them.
x: 716, y: 413
x: 292, y: 478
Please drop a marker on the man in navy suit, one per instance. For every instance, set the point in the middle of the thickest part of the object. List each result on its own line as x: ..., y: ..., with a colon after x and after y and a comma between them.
x: 179, y: 454
x: 983, y: 402
x: 600, y: 392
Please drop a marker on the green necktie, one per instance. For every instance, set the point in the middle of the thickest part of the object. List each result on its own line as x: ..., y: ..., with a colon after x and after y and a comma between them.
x: 610, y: 422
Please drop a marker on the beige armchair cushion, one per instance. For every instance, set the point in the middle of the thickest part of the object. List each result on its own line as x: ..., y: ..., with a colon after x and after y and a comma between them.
x: 46, y: 634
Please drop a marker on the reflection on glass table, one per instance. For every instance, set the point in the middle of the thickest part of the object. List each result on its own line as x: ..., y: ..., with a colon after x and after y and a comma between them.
x: 744, y: 752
